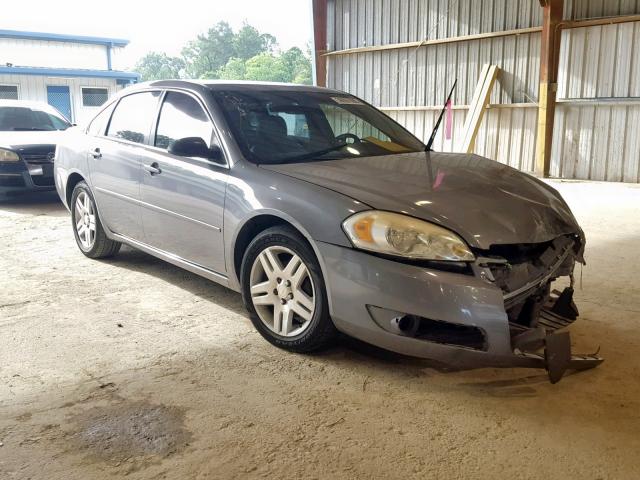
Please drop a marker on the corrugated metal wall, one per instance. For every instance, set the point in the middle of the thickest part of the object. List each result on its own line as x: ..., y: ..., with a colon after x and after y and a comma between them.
x: 410, y: 83
x: 34, y: 88
x: 359, y: 23
x: 583, y: 9
x: 597, y: 133
x: 38, y: 53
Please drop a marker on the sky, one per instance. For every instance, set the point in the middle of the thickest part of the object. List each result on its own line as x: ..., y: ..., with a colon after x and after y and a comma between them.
x: 160, y: 26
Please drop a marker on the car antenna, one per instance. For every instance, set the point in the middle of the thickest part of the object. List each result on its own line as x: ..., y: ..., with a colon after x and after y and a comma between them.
x: 435, y: 129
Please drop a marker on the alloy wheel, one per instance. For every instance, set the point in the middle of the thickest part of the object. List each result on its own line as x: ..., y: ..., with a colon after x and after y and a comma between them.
x: 282, y: 291
x: 85, y: 220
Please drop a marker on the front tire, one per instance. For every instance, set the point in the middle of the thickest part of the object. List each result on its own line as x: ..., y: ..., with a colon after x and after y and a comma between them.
x: 284, y: 291
x: 87, y: 227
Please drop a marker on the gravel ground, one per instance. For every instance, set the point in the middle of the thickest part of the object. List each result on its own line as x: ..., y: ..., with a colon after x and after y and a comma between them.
x: 134, y: 367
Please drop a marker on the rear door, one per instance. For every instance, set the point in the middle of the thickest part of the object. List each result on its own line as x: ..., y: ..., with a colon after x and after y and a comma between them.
x: 183, y: 197
x: 115, y: 162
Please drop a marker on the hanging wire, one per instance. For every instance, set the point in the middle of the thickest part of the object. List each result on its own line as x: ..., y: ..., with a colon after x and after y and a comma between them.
x: 427, y: 38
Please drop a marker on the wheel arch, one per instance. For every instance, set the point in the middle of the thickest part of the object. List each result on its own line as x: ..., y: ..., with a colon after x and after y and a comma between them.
x: 72, y: 180
x: 257, y: 223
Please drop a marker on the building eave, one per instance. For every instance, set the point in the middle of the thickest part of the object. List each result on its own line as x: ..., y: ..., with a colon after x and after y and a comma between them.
x: 59, y: 37
x: 123, y: 77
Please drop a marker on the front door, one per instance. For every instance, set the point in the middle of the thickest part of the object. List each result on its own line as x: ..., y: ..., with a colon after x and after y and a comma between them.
x: 115, y: 163
x: 58, y: 97
x: 183, y: 197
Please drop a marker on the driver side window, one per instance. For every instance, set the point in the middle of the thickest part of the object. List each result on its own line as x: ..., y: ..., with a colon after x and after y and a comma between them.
x: 182, y: 116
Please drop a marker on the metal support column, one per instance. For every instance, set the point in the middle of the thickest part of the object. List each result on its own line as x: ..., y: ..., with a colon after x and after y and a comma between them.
x: 320, y: 41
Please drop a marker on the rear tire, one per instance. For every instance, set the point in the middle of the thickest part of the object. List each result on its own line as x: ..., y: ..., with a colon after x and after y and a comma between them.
x: 284, y: 291
x: 87, y: 227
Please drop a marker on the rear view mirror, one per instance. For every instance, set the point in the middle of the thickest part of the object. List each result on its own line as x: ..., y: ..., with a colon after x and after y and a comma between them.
x: 195, y: 147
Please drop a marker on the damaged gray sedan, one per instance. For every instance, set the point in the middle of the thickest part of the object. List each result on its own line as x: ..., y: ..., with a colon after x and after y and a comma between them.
x: 330, y: 217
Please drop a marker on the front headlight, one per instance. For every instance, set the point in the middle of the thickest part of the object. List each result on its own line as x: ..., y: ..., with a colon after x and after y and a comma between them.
x: 8, y: 156
x: 404, y: 236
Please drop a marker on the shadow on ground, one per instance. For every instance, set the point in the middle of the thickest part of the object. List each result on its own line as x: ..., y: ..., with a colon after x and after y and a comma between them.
x: 34, y: 203
x: 348, y: 351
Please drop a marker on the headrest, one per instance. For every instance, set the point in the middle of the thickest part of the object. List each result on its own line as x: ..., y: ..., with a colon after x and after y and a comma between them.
x: 272, y: 126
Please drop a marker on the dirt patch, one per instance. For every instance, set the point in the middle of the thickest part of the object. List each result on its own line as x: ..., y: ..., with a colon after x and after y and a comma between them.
x: 84, y: 399
x: 123, y: 431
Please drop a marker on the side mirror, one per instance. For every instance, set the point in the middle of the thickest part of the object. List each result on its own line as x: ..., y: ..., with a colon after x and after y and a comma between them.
x: 194, y: 147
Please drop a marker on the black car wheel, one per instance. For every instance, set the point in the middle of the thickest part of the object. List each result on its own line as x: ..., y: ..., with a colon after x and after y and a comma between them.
x: 87, y: 228
x: 284, y: 292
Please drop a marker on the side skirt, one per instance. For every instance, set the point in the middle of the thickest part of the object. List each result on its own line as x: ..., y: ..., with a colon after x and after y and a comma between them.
x: 173, y: 259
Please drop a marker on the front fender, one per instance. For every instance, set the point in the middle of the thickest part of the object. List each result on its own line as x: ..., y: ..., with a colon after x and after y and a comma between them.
x: 316, y: 212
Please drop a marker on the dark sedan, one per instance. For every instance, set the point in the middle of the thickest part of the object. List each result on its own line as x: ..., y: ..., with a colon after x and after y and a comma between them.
x: 29, y: 132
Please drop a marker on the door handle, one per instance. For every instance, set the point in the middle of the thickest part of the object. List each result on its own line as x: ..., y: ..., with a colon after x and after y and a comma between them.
x: 153, y: 169
x: 96, y: 153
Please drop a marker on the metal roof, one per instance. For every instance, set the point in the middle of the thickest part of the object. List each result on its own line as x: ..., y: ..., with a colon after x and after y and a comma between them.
x: 70, y: 72
x: 59, y: 37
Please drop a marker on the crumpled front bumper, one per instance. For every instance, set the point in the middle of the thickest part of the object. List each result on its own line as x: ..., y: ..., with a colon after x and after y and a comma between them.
x: 359, y: 284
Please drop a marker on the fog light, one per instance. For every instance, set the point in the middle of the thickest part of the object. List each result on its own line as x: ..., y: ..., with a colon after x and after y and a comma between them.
x: 406, y: 324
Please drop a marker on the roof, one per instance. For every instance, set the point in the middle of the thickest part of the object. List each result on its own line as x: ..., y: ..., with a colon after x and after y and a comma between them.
x: 33, y: 105
x: 22, y: 103
x: 71, y: 72
x: 59, y: 37
x: 220, y: 84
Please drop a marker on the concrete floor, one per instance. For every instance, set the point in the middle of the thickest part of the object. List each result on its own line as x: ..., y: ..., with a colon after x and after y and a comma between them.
x: 132, y: 366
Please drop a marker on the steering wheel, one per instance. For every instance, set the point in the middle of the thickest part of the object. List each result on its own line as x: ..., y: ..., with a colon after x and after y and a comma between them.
x: 343, y: 137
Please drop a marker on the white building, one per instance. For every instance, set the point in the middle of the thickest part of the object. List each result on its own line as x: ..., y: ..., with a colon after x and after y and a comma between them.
x: 72, y: 73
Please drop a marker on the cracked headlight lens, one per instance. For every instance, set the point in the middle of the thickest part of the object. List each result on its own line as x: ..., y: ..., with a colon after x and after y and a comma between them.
x: 8, y: 156
x: 404, y: 236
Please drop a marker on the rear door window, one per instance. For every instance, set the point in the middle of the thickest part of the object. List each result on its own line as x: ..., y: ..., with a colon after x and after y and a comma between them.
x: 133, y: 117
x: 99, y: 123
x: 182, y: 116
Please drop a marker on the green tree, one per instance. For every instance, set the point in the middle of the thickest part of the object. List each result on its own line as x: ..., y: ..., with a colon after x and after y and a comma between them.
x: 205, y: 55
x: 233, y: 70
x: 266, y: 67
x: 159, y: 66
x: 298, y: 66
x: 222, y: 53
x: 249, y: 42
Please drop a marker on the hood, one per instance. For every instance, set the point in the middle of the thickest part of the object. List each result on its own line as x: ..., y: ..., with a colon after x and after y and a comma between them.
x: 18, y: 140
x: 481, y: 200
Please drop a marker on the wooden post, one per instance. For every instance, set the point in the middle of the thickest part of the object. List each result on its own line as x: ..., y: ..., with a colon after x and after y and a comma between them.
x: 478, y: 106
x: 320, y: 41
x: 549, y: 58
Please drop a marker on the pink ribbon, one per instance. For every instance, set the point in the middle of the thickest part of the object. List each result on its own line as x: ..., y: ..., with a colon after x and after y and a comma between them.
x: 448, y: 122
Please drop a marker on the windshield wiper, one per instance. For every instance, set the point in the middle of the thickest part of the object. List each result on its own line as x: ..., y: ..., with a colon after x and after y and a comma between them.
x: 435, y: 129
x: 319, y: 153
x: 30, y: 129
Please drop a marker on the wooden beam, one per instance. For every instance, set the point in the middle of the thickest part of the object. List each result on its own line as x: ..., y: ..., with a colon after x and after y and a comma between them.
x: 437, y: 108
x: 435, y: 41
x: 478, y: 106
x: 592, y: 22
x: 320, y: 41
x: 549, y: 58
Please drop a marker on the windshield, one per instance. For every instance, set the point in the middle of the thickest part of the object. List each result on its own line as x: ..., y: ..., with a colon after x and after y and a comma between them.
x: 30, y: 119
x: 285, y: 126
